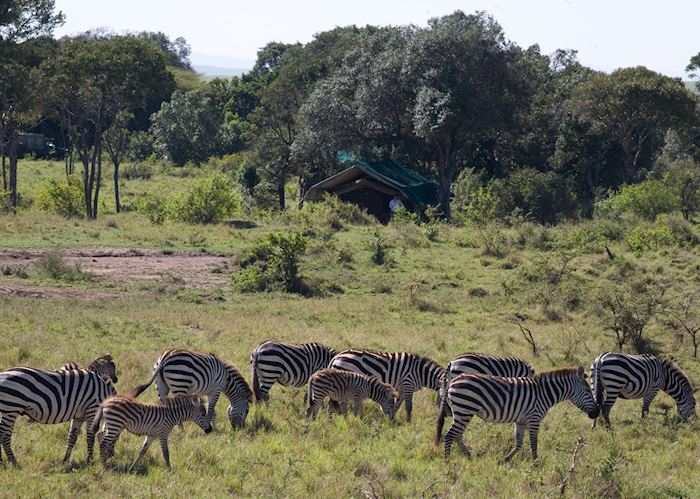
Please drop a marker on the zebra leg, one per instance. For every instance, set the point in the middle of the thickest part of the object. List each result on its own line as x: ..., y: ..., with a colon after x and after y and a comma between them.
x: 146, y: 444
x: 454, y: 434
x: 648, y: 397
x: 610, y: 399
x: 357, y: 405
x: 166, y: 452
x: 519, y: 432
x: 7, y: 424
x: 73, y: 433
x: 409, y: 405
x: 313, y: 408
x: 533, y: 427
x: 213, y: 398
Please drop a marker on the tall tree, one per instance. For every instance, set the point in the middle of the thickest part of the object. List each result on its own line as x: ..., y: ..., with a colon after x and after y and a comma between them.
x: 89, y: 82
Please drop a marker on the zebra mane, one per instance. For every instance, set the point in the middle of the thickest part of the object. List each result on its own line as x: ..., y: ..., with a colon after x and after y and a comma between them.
x: 238, y: 380
x: 561, y: 372
x: 675, y: 370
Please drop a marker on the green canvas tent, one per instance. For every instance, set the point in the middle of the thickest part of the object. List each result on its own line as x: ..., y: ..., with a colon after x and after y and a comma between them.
x: 372, y: 184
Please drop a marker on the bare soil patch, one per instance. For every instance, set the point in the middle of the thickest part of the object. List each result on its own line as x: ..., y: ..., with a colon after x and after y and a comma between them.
x: 191, y: 270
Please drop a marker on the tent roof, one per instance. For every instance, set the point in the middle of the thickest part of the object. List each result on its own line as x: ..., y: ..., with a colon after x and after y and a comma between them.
x: 413, y: 186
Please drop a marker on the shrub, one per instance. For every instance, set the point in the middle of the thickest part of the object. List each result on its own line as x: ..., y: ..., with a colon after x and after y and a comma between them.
x: 208, y: 200
x: 652, y: 237
x: 482, y: 205
x: 63, y: 197
x: 143, y: 170
x: 646, y: 199
x: 273, y: 263
x: 494, y: 241
x: 53, y: 265
x: 154, y: 207
x: 380, y: 249
x: 464, y: 188
x: 542, y: 196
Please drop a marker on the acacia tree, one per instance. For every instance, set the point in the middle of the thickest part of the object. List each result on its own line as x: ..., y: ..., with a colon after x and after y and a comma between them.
x: 633, y: 108
x: 89, y: 82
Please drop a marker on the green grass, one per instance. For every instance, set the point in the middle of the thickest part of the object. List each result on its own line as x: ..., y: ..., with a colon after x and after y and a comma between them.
x: 423, y: 301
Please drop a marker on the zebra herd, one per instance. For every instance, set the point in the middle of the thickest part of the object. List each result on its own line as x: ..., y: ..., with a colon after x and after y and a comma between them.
x: 497, y: 389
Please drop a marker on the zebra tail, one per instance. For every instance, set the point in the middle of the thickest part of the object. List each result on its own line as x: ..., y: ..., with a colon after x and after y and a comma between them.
x: 138, y: 390
x: 256, y: 379
x: 96, y: 421
x: 441, y: 420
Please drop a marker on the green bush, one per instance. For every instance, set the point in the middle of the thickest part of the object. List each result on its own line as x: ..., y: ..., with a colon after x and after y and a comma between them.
x: 651, y: 237
x: 330, y: 212
x: 63, y: 197
x: 463, y: 189
x: 154, y: 207
x: 542, y: 196
x: 482, y: 205
x: 142, y: 170
x: 273, y: 264
x: 646, y: 200
x: 53, y: 266
x: 208, y: 200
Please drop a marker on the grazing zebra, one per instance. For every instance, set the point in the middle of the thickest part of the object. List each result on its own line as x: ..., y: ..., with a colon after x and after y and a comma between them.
x: 183, y: 372
x: 51, y: 397
x: 616, y: 375
x: 342, y: 387
x: 288, y: 364
x: 103, y: 366
x: 404, y: 371
x: 153, y: 420
x: 523, y: 401
x: 481, y: 363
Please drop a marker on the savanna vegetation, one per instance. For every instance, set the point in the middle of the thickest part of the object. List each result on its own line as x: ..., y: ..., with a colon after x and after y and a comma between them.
x: 566, y: 226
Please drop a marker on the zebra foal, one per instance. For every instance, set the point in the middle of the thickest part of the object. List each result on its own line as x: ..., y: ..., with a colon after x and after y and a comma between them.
x: 153, y: 420
x: 51, y: 397
x: 616, y: 375
x: 103, y: 366
x: 342, y: 387
x: 523, y: 401
x: 404, y: 371
x: 184, y: 372
x: 288, y: 364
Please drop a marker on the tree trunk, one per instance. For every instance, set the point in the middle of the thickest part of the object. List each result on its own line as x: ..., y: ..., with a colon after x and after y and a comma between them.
x: 4, y: 171
x: 87, y: 190
x: 446, y: 169
x: 13, y: 171
x: 97, y: 180
x: 280, y: 195
x: 117, y: 204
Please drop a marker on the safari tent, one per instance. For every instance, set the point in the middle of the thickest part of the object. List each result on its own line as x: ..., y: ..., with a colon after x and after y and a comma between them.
x: 372, y: 185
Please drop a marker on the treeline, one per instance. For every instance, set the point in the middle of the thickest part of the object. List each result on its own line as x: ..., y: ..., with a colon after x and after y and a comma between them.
x: 500, y: 128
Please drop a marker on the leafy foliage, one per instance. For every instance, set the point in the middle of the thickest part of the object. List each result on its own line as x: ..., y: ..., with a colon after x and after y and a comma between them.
x: 208, y: 200
x: 646, y: 200
x: 63, y: 197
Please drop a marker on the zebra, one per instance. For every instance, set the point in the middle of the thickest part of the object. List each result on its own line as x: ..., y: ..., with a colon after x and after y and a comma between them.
x: 481, y: 363
x: 616, y: 375
x: 342, y: 387
x: 184, y: 372
x: 154, y: 420
x: 288, y: 364
x: 523, y: 401
x: 406, y: 372
x: 104, y: 367
x: 51, y: 397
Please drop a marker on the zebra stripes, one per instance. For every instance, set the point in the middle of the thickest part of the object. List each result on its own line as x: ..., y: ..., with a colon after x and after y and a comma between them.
x: 523, y: 401
x: 50, y: 397
x: 481, y: 363
x: 140, y: 418
x: 406, y: 372
x: 288, y: 364
x: 342, y: 387
x: 616, y: 375
x: 103, y: 366
x: 183, y: 372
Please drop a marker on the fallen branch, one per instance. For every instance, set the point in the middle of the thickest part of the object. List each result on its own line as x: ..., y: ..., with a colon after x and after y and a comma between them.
x: 572, y: 468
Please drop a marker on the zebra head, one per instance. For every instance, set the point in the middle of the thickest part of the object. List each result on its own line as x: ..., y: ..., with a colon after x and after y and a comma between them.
x: 237, y: 413
x: 389, y: 400
x: 679, y: 387
x: 104, y: 367
x: 198, y: 413
x: 580, y: 394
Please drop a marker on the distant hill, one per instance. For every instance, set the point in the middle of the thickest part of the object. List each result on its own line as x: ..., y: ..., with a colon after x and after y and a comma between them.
x: 210, y: 72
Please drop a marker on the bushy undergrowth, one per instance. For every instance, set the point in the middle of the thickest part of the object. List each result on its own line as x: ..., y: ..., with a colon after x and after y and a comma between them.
x: 646, y: 200
x: 62, y: 196
x: 52, y: 265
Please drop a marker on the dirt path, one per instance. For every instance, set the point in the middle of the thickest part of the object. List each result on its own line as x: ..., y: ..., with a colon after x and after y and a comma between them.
x: 191, y: 270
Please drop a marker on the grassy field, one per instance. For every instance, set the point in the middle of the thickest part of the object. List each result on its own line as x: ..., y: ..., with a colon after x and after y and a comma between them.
x: 444, y: 290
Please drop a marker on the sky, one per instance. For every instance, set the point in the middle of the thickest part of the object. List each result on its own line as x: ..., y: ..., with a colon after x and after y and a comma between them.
x: 608, y: 34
